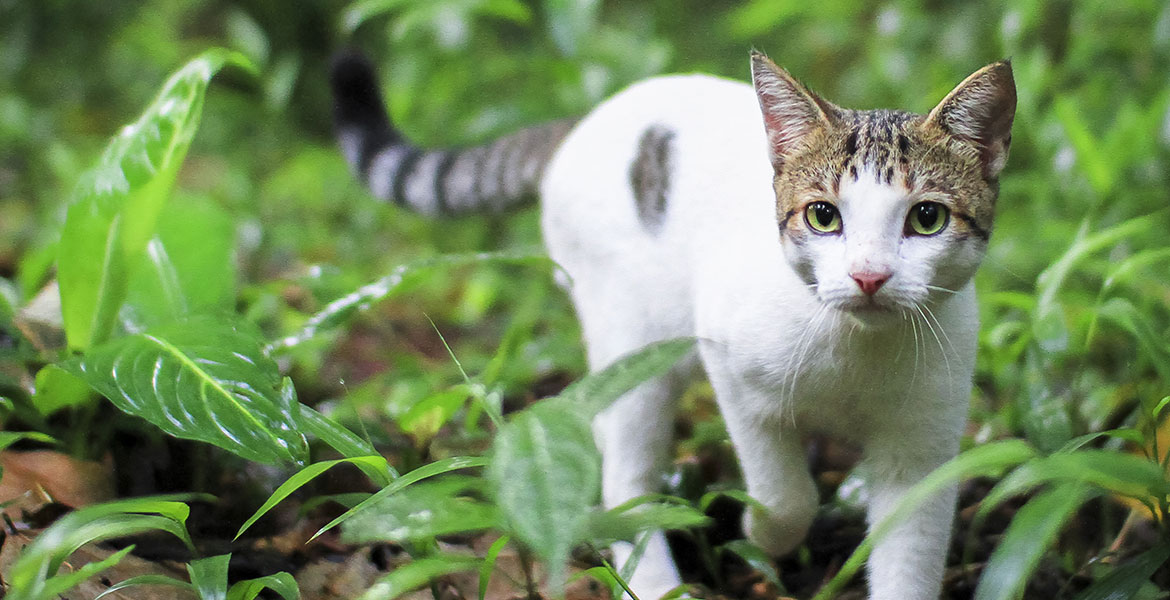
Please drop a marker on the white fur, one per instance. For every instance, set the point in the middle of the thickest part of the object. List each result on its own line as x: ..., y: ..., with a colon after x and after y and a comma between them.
x: 778, y: 338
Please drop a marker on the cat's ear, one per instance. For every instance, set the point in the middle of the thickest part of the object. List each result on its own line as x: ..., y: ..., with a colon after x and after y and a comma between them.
x: 980, y: 110
x: 791, y: 111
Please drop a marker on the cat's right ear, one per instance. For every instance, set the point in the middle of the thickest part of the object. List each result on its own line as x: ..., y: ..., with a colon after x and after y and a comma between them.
x: 791, y: 111
x: 980, y: 111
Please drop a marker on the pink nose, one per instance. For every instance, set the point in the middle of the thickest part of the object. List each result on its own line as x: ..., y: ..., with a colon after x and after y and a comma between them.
x: 869, y: 281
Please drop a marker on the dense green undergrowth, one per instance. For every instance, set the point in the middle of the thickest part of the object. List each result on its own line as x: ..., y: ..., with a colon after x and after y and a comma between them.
x: 216, y: 276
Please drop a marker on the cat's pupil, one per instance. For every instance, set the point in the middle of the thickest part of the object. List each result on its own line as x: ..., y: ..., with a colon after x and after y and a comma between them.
x: 927, y: 215
x: 824, y: 214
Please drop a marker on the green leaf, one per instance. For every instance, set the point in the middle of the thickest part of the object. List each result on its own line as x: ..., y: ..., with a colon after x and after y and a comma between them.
x: 200, y: 379
x: 59, y: 389
x: 1154, y: 346
x: 337, y: 437
x: 1123, y: 582
x: 422, y: 512
x: 1115, y: 472
x: 416, y: 574
x: 626, y: 522
x: 546, y: 473
x: 282, y: 583
x: 344, y: 309
x: 988, y: 460
x: 1128, y: 434
x: 209, y: 576
x: 188, y: 268
x: 1032, y: 531
x: 1048, y: 320
x: 34, y: 574
x: 113, y: 212
x: 304, y: 476
x: 438, y: 467
x: 1095, y: 164
x: 145, y: 580
x: 8, y: 438
x: 596, y: 391
x: 489, y: 564
x: 57, y: 585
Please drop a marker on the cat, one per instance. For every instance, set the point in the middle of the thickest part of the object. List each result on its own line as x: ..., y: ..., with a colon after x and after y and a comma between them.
x: 822, y: 257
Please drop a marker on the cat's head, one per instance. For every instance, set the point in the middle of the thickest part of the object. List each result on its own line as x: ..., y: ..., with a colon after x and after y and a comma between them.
x: 882, y: 211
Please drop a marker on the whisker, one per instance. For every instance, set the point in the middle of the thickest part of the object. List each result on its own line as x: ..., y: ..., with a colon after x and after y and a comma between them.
x: 938, y: 340
x: 940, y: 289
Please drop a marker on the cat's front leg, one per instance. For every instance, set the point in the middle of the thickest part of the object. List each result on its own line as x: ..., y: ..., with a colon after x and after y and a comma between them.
x: 775, y: 468
x: 908, y: 562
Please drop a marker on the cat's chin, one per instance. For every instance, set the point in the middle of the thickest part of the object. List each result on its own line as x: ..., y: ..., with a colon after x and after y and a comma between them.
x: 872, y: 315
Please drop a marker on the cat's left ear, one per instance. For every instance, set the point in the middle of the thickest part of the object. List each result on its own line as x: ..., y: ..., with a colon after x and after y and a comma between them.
x: 980, y: 111
x: 791, y: 111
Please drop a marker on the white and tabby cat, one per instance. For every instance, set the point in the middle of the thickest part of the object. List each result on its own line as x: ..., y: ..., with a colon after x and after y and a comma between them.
x: 822, y: 256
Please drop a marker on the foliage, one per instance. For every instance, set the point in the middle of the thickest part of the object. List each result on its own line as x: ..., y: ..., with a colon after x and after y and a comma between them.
x: 222, y: 287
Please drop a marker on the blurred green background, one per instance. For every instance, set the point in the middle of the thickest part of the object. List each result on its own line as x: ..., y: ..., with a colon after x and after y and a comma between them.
x: 1061, y: 353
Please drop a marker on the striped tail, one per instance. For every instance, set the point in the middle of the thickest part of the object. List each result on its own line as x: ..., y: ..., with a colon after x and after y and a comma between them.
x: 499, y: 175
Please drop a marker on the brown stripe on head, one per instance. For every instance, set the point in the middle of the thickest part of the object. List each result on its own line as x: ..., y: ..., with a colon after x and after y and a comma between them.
x: 953, y: 155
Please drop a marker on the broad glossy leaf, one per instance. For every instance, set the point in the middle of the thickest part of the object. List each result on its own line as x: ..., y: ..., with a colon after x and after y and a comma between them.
x: 423, y: 511
x: 203, y: 380
x: 981, y: 461
x: 1032, y: 531
x: 116, y: 204
x: 416, y: 574
x: 546, y: 473
x: 596, y: 391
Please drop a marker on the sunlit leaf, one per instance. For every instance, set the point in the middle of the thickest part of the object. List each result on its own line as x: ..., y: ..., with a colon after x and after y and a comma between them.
x: 115, y: 207
x: 203, y: 380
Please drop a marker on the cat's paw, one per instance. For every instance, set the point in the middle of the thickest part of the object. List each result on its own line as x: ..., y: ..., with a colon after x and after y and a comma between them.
x: 775, y: 532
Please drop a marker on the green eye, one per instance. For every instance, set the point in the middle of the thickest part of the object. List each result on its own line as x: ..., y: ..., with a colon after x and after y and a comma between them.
x: 927, y: 218
x: 822, y: 217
